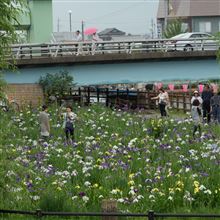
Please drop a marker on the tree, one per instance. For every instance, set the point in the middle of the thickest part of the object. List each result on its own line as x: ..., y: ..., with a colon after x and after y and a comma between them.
x: 10, y: 10
x: 57, y: 84
x: 174, y: 28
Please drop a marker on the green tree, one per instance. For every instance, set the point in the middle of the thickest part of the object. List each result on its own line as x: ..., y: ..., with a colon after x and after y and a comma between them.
x: 174, y: 28
x: 57, y: 84
x: 10, y: 10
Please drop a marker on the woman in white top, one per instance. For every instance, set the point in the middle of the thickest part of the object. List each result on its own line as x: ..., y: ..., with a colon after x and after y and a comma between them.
x: 196, y: 111
x: 95, y: 38
x: 79, y: 47
x: 163, y: 101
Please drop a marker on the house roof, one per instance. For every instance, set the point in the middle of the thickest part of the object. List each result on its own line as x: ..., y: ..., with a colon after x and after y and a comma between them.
x: 189, y: 8
x: 111, y: 31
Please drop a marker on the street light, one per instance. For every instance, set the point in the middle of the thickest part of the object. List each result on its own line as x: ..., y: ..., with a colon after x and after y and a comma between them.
x: 70, y: 19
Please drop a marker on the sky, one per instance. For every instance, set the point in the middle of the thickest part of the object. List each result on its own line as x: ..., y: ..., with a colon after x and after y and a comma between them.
x: 130, y: 16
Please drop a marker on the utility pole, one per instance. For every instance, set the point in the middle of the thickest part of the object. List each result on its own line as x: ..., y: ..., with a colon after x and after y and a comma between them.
x: 58, y: 25
x: 152, y: 28
x: 166, y: 7
x: 82, y: 30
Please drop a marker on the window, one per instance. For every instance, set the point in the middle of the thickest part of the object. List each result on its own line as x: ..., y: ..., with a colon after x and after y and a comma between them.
x: 206, y: 35
x: 205, y: 26
x: 195, y: 36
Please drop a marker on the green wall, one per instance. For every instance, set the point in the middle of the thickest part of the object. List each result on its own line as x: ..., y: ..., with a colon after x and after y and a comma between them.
x: 41, y: 21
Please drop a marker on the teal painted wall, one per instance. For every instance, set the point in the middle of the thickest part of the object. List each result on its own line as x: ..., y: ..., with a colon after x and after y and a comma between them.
x: 125, y: 73
x: 41, y: 21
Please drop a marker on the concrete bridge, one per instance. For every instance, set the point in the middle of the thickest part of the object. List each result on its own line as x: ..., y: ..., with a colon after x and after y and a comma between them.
x: 122, y: 61
x: 112, y: 52
x: 117, y: 62
x: 110, y: 63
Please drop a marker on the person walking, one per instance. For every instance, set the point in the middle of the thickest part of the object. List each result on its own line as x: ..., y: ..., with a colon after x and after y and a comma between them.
x: 215, y: 107
x: 168, y: 103
x: 95, y: 38
x: 68, y: 124
x: 206, y: 107
x: 79, y: 47
x: 163, y: 101
x: 44, y: 123
x: 196, y: 112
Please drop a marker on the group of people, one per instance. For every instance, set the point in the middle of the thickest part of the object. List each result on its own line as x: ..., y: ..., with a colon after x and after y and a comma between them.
x: 79, y: 40
x: 69, y: 118
x: 206, y: 106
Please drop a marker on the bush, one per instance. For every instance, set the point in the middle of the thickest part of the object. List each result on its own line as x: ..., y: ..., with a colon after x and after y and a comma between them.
x: 56, y: 84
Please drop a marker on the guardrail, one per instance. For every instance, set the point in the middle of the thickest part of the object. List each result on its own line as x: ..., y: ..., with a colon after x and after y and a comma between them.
x: 29, y: 51
x: 150, y: 215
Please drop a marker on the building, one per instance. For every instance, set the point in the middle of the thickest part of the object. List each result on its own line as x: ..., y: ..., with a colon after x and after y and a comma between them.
x: 36, y: 25
x: 108, y: 33
x: 196, y: 15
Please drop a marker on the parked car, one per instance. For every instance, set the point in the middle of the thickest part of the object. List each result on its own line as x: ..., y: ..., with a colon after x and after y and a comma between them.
x: 192, y: 41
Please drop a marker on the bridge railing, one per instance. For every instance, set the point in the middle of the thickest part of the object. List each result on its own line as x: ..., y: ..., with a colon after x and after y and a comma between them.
x: 29, y: 51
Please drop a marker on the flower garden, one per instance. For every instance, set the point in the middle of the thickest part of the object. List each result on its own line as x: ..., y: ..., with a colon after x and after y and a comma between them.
x: 143, y: 164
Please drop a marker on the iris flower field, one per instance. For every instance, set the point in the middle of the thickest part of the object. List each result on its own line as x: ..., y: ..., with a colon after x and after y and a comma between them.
x: 142, y: 163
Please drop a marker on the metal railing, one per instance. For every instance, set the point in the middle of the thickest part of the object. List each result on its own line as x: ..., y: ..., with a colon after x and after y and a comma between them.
x: 150, y: 215
x: 29, y: 51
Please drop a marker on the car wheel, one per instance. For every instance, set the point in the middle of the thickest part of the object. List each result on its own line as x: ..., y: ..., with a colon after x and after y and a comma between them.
x: 188, y: 47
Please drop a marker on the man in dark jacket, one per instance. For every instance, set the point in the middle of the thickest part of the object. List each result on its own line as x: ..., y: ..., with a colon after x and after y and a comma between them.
x: 215, y: 107
x: 206, y: 97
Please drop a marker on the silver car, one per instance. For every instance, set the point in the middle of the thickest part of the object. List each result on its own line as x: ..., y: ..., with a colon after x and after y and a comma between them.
x: 193, y: 41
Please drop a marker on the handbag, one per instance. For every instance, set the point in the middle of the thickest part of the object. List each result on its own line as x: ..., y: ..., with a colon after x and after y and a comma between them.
x: 199, y: 111
x: 162, y: 102
x: 69, y: 125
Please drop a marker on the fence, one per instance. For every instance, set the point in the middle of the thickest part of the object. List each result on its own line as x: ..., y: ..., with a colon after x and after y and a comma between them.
x: 150, y: 215
x: 128, y: 99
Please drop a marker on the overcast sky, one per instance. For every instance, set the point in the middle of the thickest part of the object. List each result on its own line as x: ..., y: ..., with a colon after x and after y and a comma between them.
x: 131, y: 16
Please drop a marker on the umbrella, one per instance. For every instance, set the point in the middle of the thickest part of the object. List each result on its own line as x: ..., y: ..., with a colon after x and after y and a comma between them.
x: 90, y: 31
